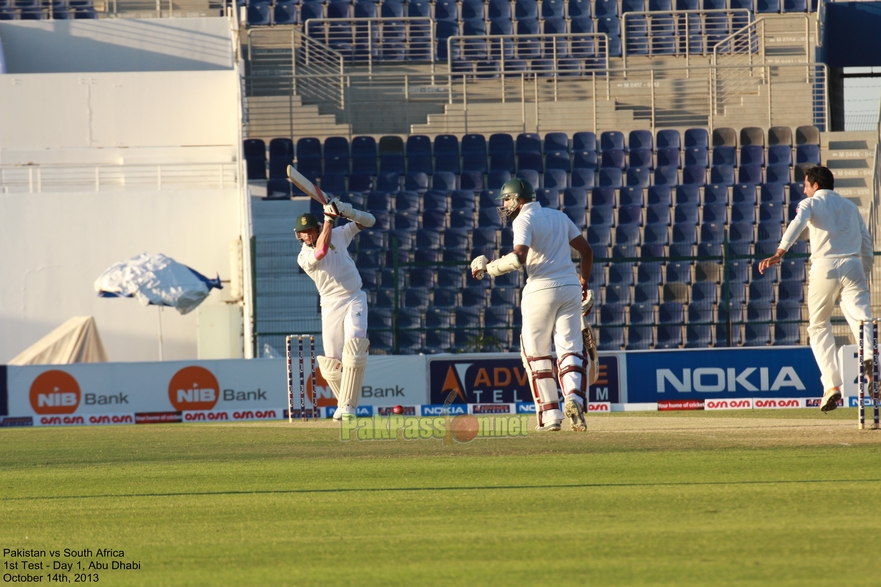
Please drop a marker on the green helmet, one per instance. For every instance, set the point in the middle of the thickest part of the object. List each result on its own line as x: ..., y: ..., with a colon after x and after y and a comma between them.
x: 517, y: 188
x: 305, y: 222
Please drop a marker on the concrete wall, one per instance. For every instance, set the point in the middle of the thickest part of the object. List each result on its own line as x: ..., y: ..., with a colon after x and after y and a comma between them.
x: 141, y: 109
x: 155, y: 44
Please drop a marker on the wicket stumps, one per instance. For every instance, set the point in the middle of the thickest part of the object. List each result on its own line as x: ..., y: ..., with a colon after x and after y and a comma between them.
x: 876, y: 370
x: 302, y: 374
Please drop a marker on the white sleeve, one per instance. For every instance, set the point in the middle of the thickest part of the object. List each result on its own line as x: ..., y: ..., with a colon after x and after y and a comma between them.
x: 797, y: 226
x: 867, y: 253
x: 522, y: 232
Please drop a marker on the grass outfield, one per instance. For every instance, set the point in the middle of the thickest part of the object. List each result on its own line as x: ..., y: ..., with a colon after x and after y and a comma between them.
x: 701, y: 498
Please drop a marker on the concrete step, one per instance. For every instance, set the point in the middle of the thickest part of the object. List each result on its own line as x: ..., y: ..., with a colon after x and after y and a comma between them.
x: 851, y: 158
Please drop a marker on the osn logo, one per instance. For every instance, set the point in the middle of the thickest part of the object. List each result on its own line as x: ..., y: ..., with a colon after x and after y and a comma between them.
x: 193, y: 389
x: 55, y: 392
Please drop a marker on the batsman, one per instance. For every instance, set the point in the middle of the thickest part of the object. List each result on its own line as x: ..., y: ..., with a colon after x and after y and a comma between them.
x: 325, y: 258
x: 555, y: 304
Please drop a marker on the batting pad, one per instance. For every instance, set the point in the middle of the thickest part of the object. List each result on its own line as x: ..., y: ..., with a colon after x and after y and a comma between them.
x: 332, y: 371
x: 541, y: 374
x: 354, y: 364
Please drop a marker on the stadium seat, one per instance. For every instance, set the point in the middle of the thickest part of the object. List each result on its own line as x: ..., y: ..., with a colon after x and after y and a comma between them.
x: 716, y: 194
x: 668, y: 139
x: 584, y: 141
x: 638, y: 177
x: 696, y: 137
x: 501, y: 152
x: 631, y: 196
x: 255, y: 158
x: 669, y: 157
x: 698, y: 156
x: 556, y: 179
x: 666, y: 176
x: 610, y: 177
x: 659, y: 195
x: 694, y: 175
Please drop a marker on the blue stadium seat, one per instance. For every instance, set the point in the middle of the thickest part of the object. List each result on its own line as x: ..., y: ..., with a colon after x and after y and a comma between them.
x: 528, y: 48
x: 807, y: 154
x: 631, y: 196
x: 630, y: 215
x: 767, y: 6
x: 752, y: 155
x: 669, y: 157
x: 254, y: 151
x: 780, y: 155
x: 584, y: 141
x: 750, y: 174
x: 655, y: 234
x: 658, y: 214
x: 683, y: 233
x: 722, y: 174
x: 578, y: 8
x: 696, y: 137
x: 603, y: 8
x: 281, y: 154
x: 364, y: 155
x: 558, y: 160
x: 694, y: 175
x: 501, y: 152
x: 602, y: 216
x: 530, y: 160
x: 725, y: 155
x: 771, y: 211
x: 716, y: 194
x: 610, y: 177
x: 666, y: 176
x: 668, y: 139
x: 671, y: 315
x: 641, y: 158
x: 499, y: 10
x: 743, y: 212
x: 582, y: 178
x: 697, y: 156
x: 778, y: 174
x: 787, y: 333
x: 659, y: 195
x: 612, y: 139
x: 528, y: 142
x: 769, y: 230
x: 613, y: 158
x: 584, y: 160
x: 529, y: 175
x: 792, y: 269
x: 548, y: 198
x: 628, y: 235
x: 743, y: 195
x: 555, y: 178
x: 599, y: 235
x: 573, y: 196
x: 603, y: 197
x: 416, y: 181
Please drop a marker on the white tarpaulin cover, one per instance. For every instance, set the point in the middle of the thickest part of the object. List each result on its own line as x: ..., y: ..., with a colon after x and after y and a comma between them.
x: 75, y: 341
x: 157, y: 280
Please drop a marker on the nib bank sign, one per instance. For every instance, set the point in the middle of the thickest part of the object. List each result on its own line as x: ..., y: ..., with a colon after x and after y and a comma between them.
x: 716, y: 374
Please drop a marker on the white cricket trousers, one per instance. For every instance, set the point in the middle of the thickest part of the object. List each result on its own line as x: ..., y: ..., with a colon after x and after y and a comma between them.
x: 830, y: 278
x: 553, y: 313
x: 342, y: 318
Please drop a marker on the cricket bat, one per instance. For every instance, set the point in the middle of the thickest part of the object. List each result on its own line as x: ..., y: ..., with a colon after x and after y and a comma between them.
x: 309, y: 188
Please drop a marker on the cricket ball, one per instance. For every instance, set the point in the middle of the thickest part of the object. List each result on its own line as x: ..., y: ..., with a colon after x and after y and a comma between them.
x: 398, y: 410
x: 464, y: 427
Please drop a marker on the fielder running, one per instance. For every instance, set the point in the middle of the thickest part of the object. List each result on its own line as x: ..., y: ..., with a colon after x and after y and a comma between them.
x: 324, y: 258
x: 554, y: 299
x: 841, y: 258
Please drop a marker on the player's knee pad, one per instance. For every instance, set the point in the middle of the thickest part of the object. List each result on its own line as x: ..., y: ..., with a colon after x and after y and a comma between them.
x: 332, y: 371
x: 354, y: 364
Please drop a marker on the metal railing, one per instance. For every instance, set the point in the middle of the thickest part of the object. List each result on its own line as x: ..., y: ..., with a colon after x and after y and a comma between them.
x: 571, y: 54
x: 678, y: 32
x: 542, y: 101
x: 362, y: 41
x: 98, y: 178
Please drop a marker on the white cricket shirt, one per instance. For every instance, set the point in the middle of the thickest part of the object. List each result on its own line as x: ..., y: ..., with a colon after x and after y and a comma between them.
x: 335, y: 275
x: 547, y: 233
x: 836, y: 228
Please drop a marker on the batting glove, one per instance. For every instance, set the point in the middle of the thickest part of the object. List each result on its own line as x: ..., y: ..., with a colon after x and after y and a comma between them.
x: 478, y: 267
x: 332, y: 208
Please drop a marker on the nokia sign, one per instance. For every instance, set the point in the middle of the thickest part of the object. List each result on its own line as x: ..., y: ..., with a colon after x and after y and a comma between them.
x: 722, y: 374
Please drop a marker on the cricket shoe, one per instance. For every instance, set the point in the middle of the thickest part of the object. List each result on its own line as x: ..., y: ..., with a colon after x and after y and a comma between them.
x: 550, y: 426
x: 551, y: 421
x: 347, y: 413
x: 575, y: 413
x: 830, y: 399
